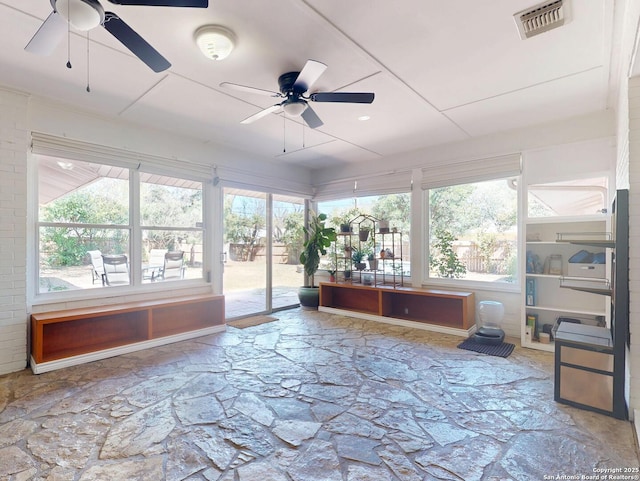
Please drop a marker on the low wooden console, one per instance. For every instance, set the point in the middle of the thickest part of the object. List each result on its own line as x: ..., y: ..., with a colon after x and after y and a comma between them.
x: 70, y: 337
x: 436, y: 310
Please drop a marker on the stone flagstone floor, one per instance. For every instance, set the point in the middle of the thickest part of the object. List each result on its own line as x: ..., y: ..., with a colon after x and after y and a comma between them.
x: 310, y: 397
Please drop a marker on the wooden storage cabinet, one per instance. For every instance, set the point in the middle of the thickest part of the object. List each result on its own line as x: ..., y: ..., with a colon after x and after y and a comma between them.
x: 71, y: 337
x: 186, y: 316
x: 445, y: 311
x: 351, y: 297
x: 79, y: 336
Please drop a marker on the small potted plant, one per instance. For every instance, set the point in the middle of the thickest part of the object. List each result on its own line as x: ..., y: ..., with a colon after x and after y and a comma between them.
x: 358, y: 256
x: 332, y: 275
x: 373, y: 262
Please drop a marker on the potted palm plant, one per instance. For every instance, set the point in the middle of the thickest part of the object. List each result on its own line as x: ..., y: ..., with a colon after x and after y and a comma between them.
x: 318, y: 239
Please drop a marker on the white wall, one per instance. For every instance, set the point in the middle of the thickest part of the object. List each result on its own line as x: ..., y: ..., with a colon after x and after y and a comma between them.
x: 13, y: 221
x: 634, y: 243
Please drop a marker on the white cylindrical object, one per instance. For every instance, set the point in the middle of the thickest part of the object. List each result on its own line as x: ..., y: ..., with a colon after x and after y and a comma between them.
x: 490, y: 313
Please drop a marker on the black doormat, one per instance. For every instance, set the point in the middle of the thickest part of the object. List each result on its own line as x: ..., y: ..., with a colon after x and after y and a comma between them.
x: 500, y: 350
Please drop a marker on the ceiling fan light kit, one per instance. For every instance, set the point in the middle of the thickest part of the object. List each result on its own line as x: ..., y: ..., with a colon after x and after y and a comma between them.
x: 215, y: 42
x: 83, y: 15
x: 294, y: 109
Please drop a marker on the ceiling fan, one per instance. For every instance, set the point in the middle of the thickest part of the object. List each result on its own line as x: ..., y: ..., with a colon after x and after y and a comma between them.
x: 294, y: 87
x: 85, y: 15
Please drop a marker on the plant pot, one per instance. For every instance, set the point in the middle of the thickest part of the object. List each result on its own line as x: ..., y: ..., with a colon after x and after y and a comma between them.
x: 363, y: 234
x: 309, y: 297
x: 384, y: 226
x: 347, y: 274
x: 373, y: 264
x: 360, y: 266
x: 345, y: 228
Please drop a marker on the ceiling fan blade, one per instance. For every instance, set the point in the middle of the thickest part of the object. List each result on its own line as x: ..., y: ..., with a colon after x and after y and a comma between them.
x: 250, y: 90
x: 311, y: 118
x: 164, y: 3
x: 262, y: 113
x: 308, y: 76
x: 48, y: 36
x: 349, y: 97
x: 134, y: 42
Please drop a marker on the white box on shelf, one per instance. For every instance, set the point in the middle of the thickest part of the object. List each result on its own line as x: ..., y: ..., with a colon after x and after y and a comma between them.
x: 586, y: 270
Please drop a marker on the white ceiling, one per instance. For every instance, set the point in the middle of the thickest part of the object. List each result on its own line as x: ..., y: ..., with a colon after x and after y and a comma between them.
x: 442, y: 71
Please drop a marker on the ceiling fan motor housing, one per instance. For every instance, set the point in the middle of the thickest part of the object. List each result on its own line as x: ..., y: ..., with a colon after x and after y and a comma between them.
x: 286, y: 81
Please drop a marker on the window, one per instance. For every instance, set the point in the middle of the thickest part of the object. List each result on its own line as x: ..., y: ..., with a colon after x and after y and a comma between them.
x: 568, y: 198
x: 396, y: 208
x: 473, y: 231
x: 85, y: 213
x: 171, y: 220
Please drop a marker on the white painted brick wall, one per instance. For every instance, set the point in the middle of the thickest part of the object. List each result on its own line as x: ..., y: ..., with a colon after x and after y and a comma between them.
x: 634, y: 238
x: 14, y: 143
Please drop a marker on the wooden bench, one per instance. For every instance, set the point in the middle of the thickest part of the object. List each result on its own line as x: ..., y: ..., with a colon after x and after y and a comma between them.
x: 450, y: 312
x: 70, y: 337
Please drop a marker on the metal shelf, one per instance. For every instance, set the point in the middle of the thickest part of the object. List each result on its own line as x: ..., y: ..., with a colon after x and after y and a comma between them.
x: 592, y: 285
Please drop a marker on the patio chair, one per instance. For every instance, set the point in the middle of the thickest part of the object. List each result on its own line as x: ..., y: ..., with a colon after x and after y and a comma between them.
x: 153, y: 269
x: 173, y: 265
x: 116, y: 269
x: 97, y: 267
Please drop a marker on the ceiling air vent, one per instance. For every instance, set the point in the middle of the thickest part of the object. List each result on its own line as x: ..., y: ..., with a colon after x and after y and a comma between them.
x: 542, y: 17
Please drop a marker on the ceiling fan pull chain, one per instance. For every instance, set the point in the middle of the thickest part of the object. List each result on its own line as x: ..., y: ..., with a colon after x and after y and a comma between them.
x: 284, y: 133
x: 88, y: 88
x: 68, y: 36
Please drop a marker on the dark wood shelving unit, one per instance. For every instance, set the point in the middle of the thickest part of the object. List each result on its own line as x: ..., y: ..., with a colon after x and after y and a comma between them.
x: 424, y: 307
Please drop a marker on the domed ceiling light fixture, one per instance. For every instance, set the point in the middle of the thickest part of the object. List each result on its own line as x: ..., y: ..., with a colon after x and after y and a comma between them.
x: 294, y: 108
x: 215, y: 42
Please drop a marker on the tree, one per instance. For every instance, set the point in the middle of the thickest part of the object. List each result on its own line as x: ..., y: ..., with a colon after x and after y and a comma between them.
x: 396, y: 208
x: 449, y: 210
x: 67, y: 246
x: 162, y: 205
x: 292, y: 235
x: 444, y: 260
x: 244, y: 225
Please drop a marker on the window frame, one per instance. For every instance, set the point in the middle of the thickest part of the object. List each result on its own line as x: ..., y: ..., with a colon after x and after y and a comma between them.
x: 134, y: 229
x: 407, y: 237
x: 475, y: 284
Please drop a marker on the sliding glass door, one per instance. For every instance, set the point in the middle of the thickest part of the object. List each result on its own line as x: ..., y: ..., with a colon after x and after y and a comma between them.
x: 245, y: 269
x: 263, y: 236
x: 287, y: 239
